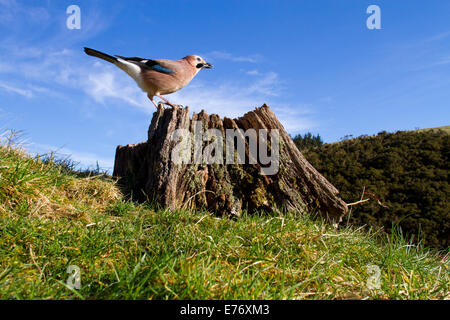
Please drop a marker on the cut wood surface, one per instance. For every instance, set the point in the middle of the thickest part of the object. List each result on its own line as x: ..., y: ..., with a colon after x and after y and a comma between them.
x: 147, y: 171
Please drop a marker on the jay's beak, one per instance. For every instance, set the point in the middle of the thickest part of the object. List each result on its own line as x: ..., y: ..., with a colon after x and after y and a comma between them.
x: 207, y: 66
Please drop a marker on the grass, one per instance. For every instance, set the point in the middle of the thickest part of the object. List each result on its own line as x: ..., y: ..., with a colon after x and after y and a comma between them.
x: 443, y: 128
x: 52, y: 217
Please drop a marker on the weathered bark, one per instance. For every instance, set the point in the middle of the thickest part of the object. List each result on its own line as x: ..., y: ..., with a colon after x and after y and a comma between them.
x: 147, y: 171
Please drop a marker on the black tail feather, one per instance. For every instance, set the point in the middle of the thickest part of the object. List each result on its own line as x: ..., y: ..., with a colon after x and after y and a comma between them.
x: 100, y: 55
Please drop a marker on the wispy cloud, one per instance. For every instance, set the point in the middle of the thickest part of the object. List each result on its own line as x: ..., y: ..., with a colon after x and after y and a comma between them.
x: 223, y: 55
x: 253, y: 72
x: 442, y: 61
x: 50, y: 71
x: 226, y: 98
x: 440, y: 36
x: 85, y: 160
x: 107, y: 85
x: 267, y: 84
x: 233, y: 99
x: 19, y: 91
x: 11, y: 11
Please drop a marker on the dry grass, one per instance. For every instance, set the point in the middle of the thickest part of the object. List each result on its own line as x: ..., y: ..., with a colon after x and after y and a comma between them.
x: 42, y: 187
x: 443, y: 128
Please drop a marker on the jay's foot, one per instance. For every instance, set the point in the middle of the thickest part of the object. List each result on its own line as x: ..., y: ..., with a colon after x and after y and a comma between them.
x: 172, y: 105
x: 156, y: 106
x: 153, y: 101
x: 167, y: 102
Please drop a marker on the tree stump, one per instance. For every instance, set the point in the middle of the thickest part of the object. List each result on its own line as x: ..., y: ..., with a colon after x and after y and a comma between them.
x: 147, y: 171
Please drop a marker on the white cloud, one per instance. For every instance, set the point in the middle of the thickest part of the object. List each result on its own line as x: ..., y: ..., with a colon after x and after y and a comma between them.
x: 234, y: 99
x: 439, y: 36
x: 101, y: 86
x: 48, y: 72
x: 229, y: 99
x: 295, y: 119
x: 438, y: 62
x: 85, y: 159
x: 23, y: 92
x: 267, y: 84
x: 254, y: 58
x: 11, y: 10
x: 253, y: 72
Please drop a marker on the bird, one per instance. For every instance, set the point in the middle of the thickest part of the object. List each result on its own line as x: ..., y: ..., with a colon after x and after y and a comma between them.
x: 157, y: 77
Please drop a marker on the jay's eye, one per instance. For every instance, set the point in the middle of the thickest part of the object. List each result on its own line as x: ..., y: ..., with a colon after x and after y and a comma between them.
x: 198, y: 59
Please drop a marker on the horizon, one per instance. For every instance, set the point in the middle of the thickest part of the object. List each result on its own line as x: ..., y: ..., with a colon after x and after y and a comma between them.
x: 315, y: 63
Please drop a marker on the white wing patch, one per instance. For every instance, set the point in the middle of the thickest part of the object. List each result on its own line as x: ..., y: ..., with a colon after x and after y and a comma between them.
x: 133, y: 71
x: 130, y: 68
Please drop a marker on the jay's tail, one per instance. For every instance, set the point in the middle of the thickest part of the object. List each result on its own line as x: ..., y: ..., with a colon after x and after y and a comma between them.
x: 100, y: 55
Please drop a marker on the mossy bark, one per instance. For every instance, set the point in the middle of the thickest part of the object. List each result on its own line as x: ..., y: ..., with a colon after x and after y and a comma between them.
x: 147, y: 172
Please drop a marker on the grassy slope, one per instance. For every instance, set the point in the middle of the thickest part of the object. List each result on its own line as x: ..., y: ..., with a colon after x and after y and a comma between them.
x: 406, y: 170
x: 51, y: 218
x: 443, y: 128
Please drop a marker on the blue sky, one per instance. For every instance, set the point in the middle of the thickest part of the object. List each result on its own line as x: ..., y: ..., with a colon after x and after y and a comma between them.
x: 314, y: 62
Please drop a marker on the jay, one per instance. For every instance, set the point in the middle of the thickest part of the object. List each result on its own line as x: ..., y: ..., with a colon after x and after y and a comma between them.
x: 157, y: 77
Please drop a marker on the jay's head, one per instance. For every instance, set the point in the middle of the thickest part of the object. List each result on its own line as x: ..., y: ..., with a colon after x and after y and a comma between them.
x: 198, y: 62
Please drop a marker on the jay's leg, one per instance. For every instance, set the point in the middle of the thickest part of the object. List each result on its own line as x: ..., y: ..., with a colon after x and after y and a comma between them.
x: 151, y: 99
x: 166, y: 101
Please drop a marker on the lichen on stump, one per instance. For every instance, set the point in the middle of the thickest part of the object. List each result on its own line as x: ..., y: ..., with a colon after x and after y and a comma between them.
x: 147, y: 172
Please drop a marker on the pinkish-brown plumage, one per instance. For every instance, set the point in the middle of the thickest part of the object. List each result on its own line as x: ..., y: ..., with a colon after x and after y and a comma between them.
x: 158, y: 83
